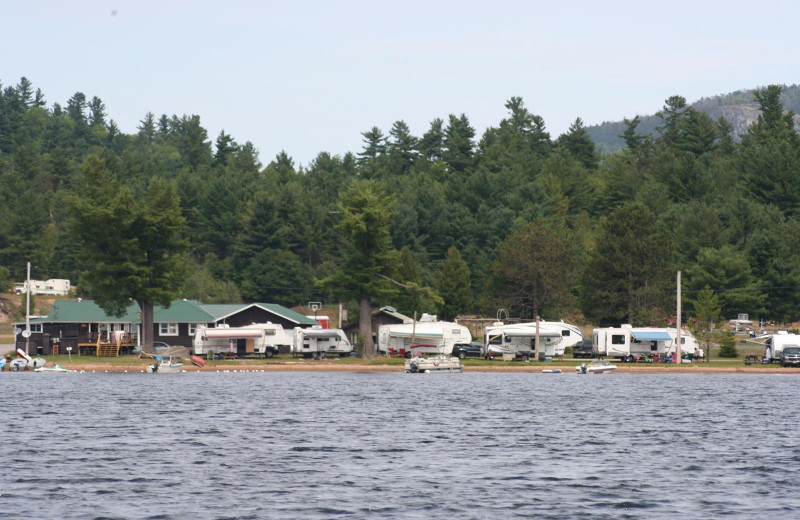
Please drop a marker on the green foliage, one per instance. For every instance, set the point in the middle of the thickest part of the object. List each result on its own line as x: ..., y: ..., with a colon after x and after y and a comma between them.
x: 453, y: 285
x: 729, y: 273
x: 535, y: 270
x: 727, y: 345
x: 629, y: 273
x: 724, y: 212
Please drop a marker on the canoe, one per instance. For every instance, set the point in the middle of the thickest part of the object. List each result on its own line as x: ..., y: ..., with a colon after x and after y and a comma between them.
x: 197, y: 360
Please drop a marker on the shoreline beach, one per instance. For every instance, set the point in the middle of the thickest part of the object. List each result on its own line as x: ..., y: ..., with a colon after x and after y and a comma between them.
x: 321, y: 366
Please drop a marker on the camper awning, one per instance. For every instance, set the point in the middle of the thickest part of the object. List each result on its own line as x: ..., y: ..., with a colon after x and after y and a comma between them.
x: 531, y: 334
x: 652, y: 336
x: 232, y: 333
x: 321, y: 333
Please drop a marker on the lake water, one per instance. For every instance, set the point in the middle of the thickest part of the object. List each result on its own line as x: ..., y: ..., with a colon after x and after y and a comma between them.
x: 378, y: 445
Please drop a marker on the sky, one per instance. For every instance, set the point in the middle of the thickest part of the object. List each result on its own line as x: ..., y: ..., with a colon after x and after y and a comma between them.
x: 306, y: 76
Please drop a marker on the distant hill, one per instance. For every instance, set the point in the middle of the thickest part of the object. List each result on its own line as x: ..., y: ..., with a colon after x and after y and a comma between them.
x: 739, y: 108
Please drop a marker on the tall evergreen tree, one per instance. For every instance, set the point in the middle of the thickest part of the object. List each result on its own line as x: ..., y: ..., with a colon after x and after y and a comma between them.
x: 370, y: 159
x: 629, y: 274
x: 130, y: 248
x: 368, y: 257
x: 458, y: 143
x: 578, y: 142
x: 454, y: 286
x: 401, y: 148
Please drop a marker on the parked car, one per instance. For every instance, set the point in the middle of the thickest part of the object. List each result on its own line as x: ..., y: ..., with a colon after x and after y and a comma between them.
x: 584, y: 349
x: 473, y: 349
x: 790, y: 356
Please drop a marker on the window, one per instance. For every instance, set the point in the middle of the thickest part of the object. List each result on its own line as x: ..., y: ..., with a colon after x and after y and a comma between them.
x: 192, y: 328
x: 565, y: 333
x: 617, y: 339
x: 168, y: 329
x: 36, y: 327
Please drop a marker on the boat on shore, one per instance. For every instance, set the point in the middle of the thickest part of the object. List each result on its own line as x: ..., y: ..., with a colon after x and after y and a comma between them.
x: 439, y: 363
x: 600, y: 366
x: 165, y: 366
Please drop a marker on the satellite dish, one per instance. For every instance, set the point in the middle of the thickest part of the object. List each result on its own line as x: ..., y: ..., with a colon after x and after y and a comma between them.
x: 26, y: 334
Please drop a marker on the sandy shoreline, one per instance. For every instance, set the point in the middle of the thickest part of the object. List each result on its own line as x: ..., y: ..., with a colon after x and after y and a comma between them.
x: 331, y: 367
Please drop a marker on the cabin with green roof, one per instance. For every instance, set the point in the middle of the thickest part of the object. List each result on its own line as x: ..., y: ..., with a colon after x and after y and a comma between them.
x: 74, y: 322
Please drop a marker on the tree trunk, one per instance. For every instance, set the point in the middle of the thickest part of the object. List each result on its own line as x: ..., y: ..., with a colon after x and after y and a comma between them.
x: 147, y: 327
x: 365, y: 326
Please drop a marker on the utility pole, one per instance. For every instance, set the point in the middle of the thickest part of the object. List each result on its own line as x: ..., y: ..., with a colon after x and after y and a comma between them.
x: 678, y: 320
x: 28, y: 312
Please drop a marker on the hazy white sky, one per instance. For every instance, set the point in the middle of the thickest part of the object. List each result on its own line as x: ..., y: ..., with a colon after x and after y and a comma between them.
x: 311, y: 76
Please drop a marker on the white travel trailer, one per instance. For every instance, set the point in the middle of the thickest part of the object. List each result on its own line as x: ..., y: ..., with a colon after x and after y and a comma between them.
x: 625, y: 342
x: 519, y: 339
x: 317, y: 342
x: 429, y: 335
x: 258, y: 338
x: 775, y: 343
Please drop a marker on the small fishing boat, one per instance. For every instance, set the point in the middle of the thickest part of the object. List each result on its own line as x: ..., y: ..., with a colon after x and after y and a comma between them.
x: 551, y: 371
x: 198, y: 361
x: 599, y: 366
x: 439, y: 363
x: 165, y: 366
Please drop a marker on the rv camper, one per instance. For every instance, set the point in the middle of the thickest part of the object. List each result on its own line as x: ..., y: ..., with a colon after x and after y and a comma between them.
x: 266, y: 339
x: 427, y: 336
x: 626, y: 342
x: 318, y: 342
x: 519, y: 339
x: 775, y: 343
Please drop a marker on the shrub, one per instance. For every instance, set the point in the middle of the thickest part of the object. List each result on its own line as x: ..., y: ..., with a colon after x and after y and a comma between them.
x: 727, y: 346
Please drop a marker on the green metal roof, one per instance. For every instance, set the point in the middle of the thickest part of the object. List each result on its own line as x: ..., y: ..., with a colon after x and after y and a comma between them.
x: 182, y: 311
x: 79, y: 311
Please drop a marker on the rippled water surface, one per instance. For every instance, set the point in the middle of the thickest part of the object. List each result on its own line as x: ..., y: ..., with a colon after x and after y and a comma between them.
x: 377, y: 445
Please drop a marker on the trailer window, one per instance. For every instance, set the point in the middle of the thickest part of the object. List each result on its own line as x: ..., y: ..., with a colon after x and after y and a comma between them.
x: 617, y: 339
x: 565, y: 333
x: 269, y: 332
x: 456, y: 332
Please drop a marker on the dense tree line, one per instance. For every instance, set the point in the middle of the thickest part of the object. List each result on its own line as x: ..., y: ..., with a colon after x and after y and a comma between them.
x: 449, y: 222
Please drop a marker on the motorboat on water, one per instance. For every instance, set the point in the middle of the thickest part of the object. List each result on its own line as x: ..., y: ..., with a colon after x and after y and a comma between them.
x: 440, y: 363
x: 165, y: 366
x: 54, y: 368
x: 599, y: 366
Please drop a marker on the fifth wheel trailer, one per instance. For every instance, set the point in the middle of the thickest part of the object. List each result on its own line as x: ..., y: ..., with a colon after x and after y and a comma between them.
x: 258, y: 338
x: 427, y: 335
x: 519, y: 339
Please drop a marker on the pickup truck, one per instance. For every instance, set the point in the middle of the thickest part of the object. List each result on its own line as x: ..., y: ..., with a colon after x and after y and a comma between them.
x: 584, y: 349
x: 473, y: 349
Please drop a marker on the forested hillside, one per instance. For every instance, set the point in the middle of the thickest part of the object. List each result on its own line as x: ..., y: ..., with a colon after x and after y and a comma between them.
x: 514, y: 218
x: 739, y: 108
